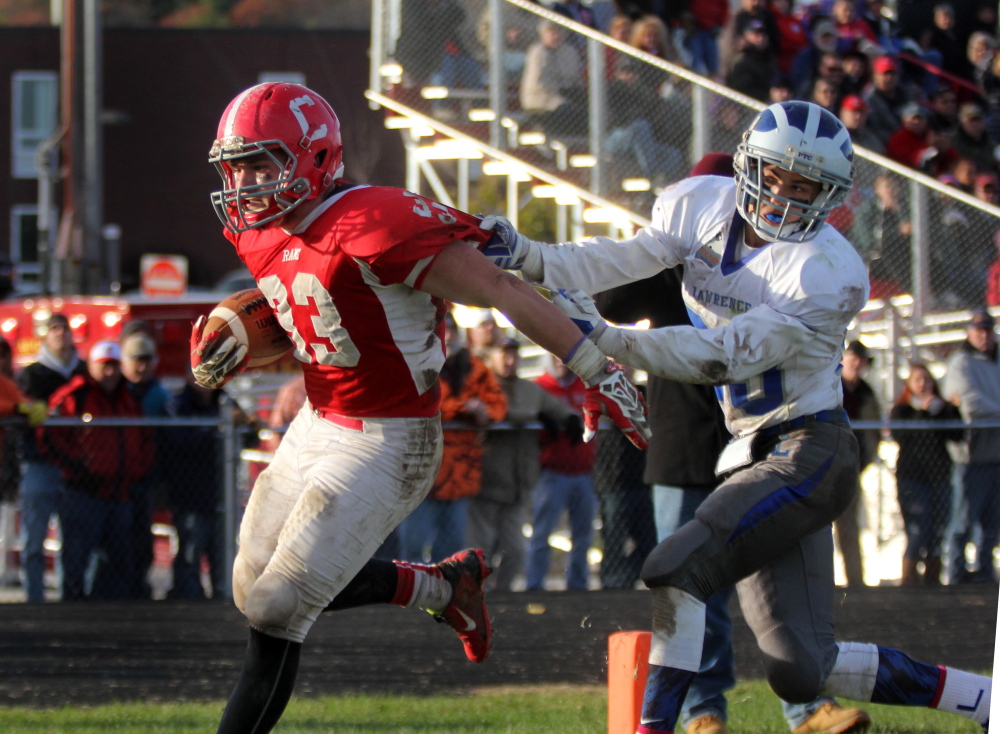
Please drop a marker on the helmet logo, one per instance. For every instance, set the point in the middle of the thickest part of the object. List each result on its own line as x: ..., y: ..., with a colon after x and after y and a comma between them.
x: 296, y: 107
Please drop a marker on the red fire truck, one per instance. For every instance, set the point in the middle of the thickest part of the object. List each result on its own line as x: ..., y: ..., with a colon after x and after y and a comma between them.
x: 93, y: 318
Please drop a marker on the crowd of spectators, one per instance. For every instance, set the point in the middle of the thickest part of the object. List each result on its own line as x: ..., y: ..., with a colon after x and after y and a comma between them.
x: 918, y: 82
x: 103, y: 482
x: 534, y: 472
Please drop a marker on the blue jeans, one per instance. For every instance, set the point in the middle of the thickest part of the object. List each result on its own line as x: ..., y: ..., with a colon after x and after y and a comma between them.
x: 88, y: 522
x: 439, y: 524
x: 674, y: 507
x: 959, y: 528
x: 554, y: 493
x: 196, y: 536
x: 40, y: 487
x: 925, y: 508
x: 704, y: 52
x: 982, y: 492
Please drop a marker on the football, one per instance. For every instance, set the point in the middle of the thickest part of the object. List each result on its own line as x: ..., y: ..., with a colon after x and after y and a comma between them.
x: 247, y: 316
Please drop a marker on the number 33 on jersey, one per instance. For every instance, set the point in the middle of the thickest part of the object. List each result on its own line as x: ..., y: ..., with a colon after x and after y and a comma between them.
x: 343, y: 285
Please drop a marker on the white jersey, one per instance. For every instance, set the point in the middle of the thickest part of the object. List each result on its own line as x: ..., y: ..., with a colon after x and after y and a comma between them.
x: 770, y: 327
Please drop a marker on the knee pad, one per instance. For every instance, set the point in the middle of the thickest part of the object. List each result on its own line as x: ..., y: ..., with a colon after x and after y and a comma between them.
x: 795, y: 681
x: 272, y: 602
x: 662, y: 564
x: 244, y: 577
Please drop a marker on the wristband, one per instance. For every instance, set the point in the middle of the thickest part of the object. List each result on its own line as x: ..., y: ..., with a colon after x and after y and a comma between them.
x: 533, y: 267
x: 586, y: 361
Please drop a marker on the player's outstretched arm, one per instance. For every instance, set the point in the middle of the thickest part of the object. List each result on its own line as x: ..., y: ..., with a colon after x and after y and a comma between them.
x: 461, y: 274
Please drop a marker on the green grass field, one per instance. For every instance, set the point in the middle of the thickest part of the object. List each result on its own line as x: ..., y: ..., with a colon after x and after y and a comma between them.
x: 538, y: 710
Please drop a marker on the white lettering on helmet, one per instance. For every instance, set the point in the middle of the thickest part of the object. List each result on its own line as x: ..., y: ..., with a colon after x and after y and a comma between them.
x: 296, y: 107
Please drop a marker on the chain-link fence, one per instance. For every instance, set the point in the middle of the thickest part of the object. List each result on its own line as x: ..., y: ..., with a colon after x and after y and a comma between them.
x: 121, y: 508
x: 172, y: 532
x: 612, y: 120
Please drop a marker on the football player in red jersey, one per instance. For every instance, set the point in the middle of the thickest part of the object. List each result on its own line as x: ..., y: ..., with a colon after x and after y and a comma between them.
x: 358, y: 276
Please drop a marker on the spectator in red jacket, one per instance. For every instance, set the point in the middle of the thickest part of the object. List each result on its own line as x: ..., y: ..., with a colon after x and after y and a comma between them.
x: 566, y: 482
x: 853, y: 33
x: 906, y: 144
x: 791, y: 33
x: 993, y: 277
x: 99, y: 465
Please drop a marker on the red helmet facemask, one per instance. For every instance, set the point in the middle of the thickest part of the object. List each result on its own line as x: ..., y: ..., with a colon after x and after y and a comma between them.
x: 297, y: 130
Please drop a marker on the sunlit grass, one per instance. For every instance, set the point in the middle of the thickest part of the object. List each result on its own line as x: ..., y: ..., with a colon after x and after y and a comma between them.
x: 507, y: 710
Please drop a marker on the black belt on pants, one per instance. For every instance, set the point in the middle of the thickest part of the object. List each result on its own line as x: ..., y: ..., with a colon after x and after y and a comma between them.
x: 837, y: 415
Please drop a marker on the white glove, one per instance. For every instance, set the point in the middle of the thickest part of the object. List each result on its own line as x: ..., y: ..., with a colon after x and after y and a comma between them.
x: 508, y: 249
x: 225, y: 359
x: 581, y: 310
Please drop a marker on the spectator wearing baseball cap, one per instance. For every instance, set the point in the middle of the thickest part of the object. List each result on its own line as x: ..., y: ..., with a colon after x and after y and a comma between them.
x: 885, y: 98
x: 756, y: 64
x: 987, y: 188
x: 973, y: 383
x: 910, y: 140
x: 781, y: 89
x: 139, y: 362
x: 806, y: 65
x: 857, y: 73
x: 511, y: 467
x: 732, y: 40
x: 483, y: 333
x: 970, y: 138
x: 41, y: 481
x: 942, y: 103
x: 854, y: 115
x: 99, y: 467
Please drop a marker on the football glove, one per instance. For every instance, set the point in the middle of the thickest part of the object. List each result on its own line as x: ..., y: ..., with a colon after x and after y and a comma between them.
x: 581, y: 310
x: 36, y: 412
x: 215, y: 361
x: 617, y: 398
x: 508, y: 249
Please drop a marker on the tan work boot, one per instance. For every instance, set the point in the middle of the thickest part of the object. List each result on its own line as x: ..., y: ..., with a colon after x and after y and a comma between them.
x: 707, y: 724
x: 832, y: 718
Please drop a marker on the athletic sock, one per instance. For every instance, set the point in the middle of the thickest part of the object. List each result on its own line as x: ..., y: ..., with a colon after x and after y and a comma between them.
x: 421, y: 585
x: 375, y: 583
x: 965, y: 694
x: 264, y: 687
x: 866, y: 672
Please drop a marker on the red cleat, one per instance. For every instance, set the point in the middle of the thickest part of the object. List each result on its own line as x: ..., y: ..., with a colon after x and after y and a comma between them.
x: 466, y: 614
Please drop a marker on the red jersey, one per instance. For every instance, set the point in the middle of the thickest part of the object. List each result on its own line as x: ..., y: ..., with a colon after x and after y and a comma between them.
x: 343, y: 285
x: 560, y: 455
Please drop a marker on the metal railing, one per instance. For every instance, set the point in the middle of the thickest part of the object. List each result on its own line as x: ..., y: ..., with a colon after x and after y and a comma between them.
x: 928, y: 245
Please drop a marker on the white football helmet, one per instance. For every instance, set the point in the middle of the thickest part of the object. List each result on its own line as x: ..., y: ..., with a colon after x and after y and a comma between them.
x: 804, y: 138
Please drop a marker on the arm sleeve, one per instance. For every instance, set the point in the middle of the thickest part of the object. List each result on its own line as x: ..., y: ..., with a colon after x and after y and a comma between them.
x: 749, y: 344
x: 602, y: 263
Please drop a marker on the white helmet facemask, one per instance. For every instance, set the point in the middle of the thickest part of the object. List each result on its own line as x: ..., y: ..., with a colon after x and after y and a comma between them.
x: 803, y: 138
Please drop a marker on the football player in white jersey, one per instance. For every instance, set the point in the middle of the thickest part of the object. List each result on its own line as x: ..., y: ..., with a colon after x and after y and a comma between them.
x: 771, y: 288
x: 358, y: 276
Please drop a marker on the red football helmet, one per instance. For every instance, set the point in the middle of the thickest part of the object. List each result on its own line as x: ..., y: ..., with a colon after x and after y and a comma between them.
x: 295, y: 128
